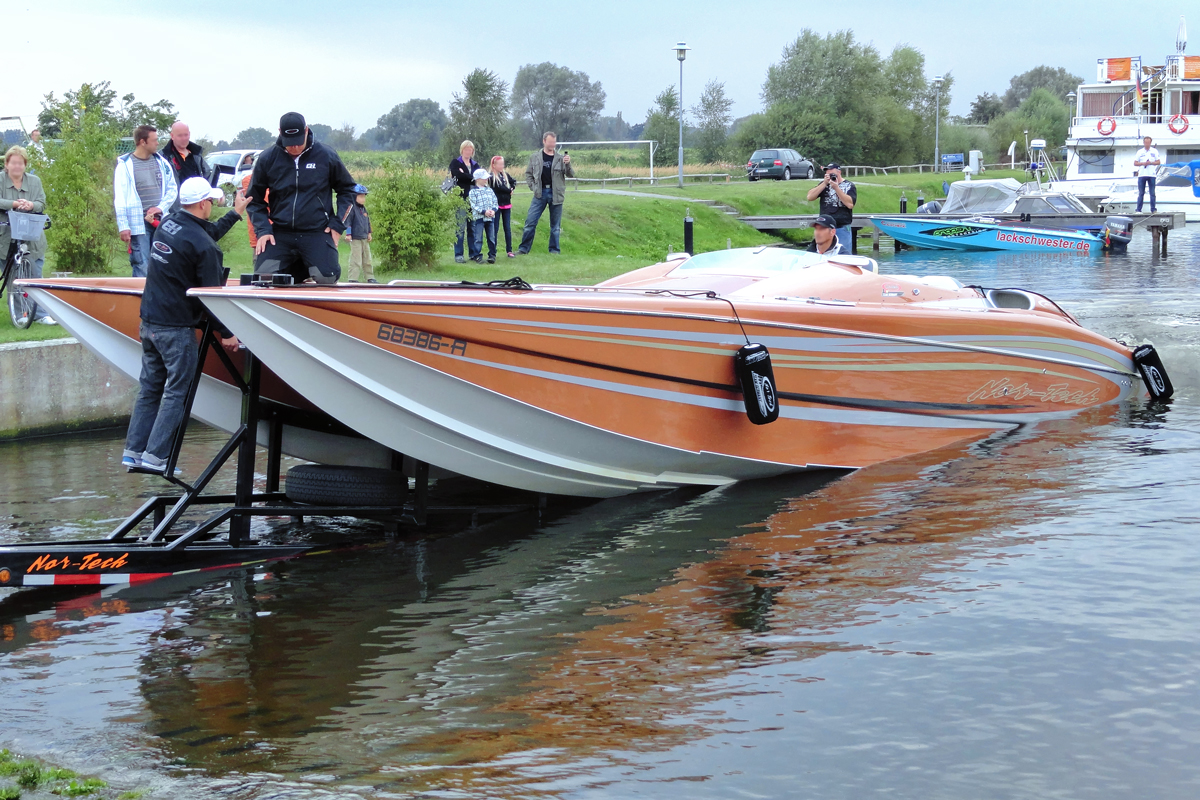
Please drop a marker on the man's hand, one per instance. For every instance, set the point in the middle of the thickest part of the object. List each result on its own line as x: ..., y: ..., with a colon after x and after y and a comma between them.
x: 151, y: 211
x: 566, y: 159
x: 370, y: 237
x: 126, y: 236
x: 230, y: 344
x: 240, y: 201
x: 263, y: 241
x: 337, y: 237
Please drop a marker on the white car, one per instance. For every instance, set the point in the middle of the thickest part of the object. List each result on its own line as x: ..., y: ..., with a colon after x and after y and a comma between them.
x: 235, y: 164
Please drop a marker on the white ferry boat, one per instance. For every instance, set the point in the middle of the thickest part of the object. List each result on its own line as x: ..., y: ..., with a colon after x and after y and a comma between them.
x: 1127, y: 102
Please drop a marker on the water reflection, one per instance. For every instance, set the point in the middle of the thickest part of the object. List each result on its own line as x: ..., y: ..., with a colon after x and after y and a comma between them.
x: 616, y: 644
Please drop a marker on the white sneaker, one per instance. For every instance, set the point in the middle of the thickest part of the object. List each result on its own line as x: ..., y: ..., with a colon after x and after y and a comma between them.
x: 47, y: 321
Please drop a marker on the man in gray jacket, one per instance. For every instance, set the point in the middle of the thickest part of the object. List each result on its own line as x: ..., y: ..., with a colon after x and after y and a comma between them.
x: 546, y: 175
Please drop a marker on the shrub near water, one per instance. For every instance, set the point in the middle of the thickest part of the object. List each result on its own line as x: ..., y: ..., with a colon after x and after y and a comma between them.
x: 78, y: 182
x: 411, y: 219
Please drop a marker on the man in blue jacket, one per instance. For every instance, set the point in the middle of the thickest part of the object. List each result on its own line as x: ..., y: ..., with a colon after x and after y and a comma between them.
x: 298, y: 231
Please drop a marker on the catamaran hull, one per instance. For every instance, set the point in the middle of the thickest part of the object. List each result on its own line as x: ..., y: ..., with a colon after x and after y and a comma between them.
x: 967, y: 236
x: 513, y: 397
x: 105, y: 320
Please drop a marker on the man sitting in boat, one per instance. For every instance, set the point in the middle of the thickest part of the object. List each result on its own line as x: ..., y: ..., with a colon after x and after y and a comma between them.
x: 825, y: 239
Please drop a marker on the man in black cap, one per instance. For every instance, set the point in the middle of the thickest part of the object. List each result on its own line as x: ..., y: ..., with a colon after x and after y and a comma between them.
x: 298, y: 233
x: 838, y: 197
x: 825, y: 237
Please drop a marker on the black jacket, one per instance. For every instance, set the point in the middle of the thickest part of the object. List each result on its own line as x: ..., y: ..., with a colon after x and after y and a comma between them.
x: 191, y: 167
x: 300, y: 192
x: 357, y: 221
x: 184, y: 255
x: 462, y: 174
x: 503, y: 193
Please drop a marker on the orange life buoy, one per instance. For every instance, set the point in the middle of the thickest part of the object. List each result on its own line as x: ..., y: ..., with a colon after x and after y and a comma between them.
x: 1182, y: 122
x: 1112, y: 126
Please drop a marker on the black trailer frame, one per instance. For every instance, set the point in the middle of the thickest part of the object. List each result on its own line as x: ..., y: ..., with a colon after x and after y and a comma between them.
x: 125, y: 557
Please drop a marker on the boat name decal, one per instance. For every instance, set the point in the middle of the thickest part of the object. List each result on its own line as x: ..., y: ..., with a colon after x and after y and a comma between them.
x: 891, y: 224
x: 422, y: 339
x: 952, y: 231
x: 1043, y: 241
x: 45, y: 563
x: 1055, y: 393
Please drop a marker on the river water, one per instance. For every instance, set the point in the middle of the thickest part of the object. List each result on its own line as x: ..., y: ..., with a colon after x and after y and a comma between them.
x: 1011, y: 618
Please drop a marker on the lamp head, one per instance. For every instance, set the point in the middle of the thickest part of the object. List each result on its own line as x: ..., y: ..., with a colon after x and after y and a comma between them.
x: 681, y: 49
x: 937, y: 81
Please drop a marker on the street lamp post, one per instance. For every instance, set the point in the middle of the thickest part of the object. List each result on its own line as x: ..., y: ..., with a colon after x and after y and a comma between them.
x: 681, y: 49
x: 937, y: 122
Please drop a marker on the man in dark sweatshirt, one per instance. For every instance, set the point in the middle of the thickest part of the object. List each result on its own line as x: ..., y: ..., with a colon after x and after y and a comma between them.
x: 298, y: 233
x: 184, y: 256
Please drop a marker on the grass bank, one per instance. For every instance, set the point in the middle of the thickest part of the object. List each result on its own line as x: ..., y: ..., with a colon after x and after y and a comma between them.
x: 34, y: 780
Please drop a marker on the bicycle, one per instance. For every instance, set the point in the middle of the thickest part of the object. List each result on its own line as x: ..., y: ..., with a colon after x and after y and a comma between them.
x: 19, y: 264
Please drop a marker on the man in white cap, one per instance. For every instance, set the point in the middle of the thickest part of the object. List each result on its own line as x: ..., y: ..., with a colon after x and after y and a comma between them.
x: 183, y: 255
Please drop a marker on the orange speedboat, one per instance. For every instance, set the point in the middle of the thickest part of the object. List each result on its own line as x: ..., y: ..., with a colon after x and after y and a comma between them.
x: 631, y: 385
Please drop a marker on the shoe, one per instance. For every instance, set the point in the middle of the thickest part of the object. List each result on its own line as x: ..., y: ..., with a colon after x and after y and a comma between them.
x: 478, y: 259
x: 459, y: 260
x: 523, y: 252
x: 23, y: 322
x: 130, y: 462
x: 156, y: 469
x: 512, y: 255
x: 372, y: 280
x: 492, y: 260
x: 47, y: 321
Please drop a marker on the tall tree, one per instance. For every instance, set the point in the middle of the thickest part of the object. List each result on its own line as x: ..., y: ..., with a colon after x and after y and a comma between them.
x: 662, y: 126
x: 343, y: 138
x: 1054, y: 79
x: 712, y: 121
x: 101, y: 99
x: 478, y: 113
x: 252, y: 139
x: 612, y: 128
x: 411, y: 122
x: 985, y: 108
x: 555, y: 98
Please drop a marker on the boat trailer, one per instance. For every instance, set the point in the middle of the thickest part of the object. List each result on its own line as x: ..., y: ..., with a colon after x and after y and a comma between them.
x: 131, y: 554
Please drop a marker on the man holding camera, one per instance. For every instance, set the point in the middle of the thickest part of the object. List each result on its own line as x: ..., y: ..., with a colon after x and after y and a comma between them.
x: 546, y: 175
x: 838, y: 197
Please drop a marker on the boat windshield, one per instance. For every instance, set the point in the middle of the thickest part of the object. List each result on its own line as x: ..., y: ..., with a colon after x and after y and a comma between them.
x: 1174, y: 175
x: 761, y: 261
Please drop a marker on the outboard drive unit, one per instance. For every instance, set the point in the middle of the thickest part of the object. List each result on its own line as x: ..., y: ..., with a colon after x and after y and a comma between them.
x: 1117, y: 233
x: 753, y: 367
x: 1154, y: 375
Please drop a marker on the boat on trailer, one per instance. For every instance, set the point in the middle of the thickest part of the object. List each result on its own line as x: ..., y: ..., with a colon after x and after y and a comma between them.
x: 634, y: 384
x: 987, y: 233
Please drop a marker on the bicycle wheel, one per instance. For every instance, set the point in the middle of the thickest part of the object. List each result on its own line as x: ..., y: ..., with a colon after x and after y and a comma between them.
x: 20, y: 306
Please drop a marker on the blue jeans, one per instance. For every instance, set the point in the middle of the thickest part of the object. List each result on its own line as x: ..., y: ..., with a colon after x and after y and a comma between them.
x: 846, y: 237
x: 461, y: 221
x: 169, y: 356
x: 1143, y: 182
x: 479, y: 229
x: 504, y: 220
x: 139, y: 254
x: 536, y: 206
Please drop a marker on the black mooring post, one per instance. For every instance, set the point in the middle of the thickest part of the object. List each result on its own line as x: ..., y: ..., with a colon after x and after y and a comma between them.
x: 688, y: 246
x: 239, y: 525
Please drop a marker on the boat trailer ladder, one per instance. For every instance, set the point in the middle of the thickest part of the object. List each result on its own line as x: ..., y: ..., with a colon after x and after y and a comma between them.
x: 127, y: 557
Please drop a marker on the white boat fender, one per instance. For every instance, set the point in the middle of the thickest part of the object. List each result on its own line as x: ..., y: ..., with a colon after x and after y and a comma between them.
x: 1154, y: 375
x: 753, y: 367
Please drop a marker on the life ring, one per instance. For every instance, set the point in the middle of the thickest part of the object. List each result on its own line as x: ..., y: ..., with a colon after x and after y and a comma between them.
x: 1183, y: 124
x: 1112, y: 126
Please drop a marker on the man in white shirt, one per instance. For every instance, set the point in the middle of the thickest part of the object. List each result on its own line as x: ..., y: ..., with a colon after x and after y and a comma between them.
x: 1146, y: 160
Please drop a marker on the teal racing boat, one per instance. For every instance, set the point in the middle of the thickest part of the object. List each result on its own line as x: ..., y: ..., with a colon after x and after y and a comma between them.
x: 986, y: 233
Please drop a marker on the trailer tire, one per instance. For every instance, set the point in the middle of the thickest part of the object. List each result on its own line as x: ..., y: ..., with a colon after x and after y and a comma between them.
x: 325, y: 484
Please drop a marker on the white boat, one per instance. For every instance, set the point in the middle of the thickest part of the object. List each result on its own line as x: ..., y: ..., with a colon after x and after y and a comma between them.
x: 1110, y: 119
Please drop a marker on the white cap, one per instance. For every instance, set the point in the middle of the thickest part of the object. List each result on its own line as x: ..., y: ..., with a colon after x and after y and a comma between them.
x: 480, y: 175
x: 195, y: 190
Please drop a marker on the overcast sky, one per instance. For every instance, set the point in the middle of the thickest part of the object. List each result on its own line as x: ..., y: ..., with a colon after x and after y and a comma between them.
x: 229, y: 66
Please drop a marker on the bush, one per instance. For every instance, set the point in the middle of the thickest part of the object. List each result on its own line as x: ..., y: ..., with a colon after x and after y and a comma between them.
x: 411, y: 219
x: 78, y: 177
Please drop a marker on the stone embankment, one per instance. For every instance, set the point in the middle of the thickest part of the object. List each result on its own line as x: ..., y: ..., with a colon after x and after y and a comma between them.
x: 59, y: 386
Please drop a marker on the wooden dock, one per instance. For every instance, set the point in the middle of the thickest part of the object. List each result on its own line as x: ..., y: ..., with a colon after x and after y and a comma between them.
x: 1157, y: 224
